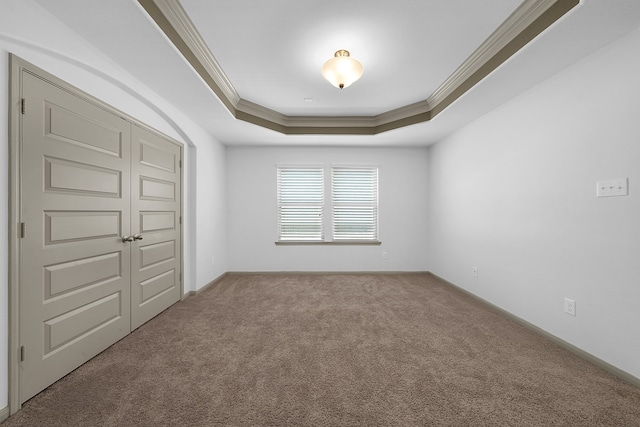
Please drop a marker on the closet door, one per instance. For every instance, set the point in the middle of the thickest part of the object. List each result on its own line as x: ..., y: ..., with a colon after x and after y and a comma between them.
x: 75, y: 204
x: 155, y: 220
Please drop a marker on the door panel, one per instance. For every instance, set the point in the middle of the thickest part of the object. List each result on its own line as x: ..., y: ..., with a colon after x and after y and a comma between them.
x: 75, y: 128
x: 73, y: 177
x: 155, y: 214
x: 156, y: 189
x: 154, y: 286
x: 63, y: 329
x: 65, y: 226
x: 157, y: 253
x: 75, y: 270
x: 80, y: 273
x: 157, y: 221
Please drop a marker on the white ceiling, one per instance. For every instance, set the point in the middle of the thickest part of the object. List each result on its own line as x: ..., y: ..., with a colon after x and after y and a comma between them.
x: 272, y: 52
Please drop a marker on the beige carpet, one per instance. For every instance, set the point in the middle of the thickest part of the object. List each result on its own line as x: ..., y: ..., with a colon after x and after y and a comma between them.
x: 333, y: 350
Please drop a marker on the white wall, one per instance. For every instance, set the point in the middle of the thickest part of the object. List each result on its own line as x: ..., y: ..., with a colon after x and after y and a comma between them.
x: 514, y: 194
x: 31, y: 33
x: 252, y: 214
x: 211, y: 250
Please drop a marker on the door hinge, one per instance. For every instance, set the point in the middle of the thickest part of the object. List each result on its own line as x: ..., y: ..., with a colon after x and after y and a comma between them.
x: 23, y: 105
x: 180, y: 163
x: 23, y: 230
x: 180, y: 220
x: 22, y: 353
x: 180, y: 277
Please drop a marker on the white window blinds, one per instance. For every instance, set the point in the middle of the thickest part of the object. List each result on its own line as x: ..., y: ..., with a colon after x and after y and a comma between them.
x: 354, y: 201
x: 300, y: 203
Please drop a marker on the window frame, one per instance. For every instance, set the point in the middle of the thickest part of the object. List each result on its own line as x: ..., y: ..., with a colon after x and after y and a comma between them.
x: 327, y: 207
x: 308, y: 204
x: 366, y: 200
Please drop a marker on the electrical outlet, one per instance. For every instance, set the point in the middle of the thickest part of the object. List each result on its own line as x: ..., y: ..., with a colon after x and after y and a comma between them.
x: 474, y: 271
x: 570, y: 306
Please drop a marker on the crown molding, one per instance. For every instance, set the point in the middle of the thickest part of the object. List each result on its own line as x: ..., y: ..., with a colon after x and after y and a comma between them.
x: 520, y: 19
x: 259, y: 111
x: 416, y: 109
x: 530, y: 19
x: 178, y: 27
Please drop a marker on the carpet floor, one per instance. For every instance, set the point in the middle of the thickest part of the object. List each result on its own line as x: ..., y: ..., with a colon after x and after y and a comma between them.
x: 333, y: 350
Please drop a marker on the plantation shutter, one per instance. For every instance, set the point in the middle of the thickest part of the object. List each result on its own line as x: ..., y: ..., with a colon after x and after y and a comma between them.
x: 300, y: 203
x: 354, y: 200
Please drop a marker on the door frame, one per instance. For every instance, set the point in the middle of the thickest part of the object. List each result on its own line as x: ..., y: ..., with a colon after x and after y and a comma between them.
x: 17, y: 67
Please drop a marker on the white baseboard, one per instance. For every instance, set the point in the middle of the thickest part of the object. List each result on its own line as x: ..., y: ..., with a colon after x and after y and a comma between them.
x: 4, y: 413
x: 205, y: 287
x: 623, y: 375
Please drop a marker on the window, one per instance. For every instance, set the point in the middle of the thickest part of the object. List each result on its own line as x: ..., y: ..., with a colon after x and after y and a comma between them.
x: 353, y: 209
x: 354, y: 203
x: 300, y: 203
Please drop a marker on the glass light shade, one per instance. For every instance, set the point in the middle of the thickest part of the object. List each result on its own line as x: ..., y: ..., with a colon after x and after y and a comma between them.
x: 342, y: 70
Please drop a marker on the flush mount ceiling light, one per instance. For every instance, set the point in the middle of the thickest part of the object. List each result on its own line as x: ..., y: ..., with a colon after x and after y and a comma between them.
x: 342, y: 70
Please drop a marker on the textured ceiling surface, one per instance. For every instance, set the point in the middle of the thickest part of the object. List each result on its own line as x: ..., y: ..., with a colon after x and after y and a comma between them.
x: 272, y: 52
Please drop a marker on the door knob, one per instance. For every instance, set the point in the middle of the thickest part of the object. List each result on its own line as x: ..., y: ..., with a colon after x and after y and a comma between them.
x: 126, y: 239
x: 137, y: 237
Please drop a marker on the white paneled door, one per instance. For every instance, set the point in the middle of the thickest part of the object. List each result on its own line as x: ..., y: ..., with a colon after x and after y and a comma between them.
x: 155, y: 204
x: 100, y: 241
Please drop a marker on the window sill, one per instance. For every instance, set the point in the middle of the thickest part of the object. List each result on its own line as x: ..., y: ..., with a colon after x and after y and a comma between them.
x: 335, y: 242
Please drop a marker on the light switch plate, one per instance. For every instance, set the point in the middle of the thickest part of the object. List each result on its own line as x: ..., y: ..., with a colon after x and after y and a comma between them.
x: 612, y: 187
